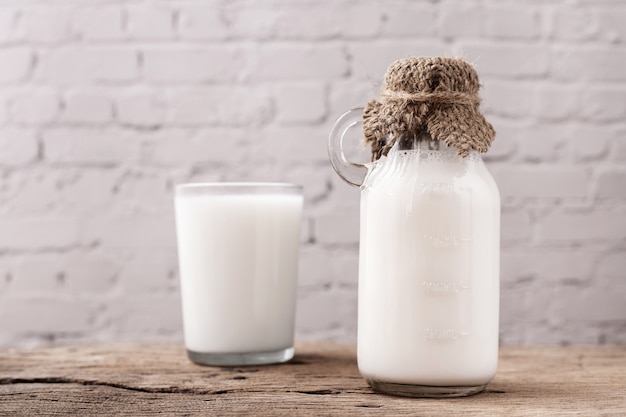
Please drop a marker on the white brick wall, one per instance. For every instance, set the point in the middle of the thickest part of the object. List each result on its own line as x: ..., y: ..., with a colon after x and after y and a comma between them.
x: 105, y: 106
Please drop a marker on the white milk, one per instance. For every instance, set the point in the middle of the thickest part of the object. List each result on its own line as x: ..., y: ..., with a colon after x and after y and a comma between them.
x: 429, y: 271
x: 238, y: 263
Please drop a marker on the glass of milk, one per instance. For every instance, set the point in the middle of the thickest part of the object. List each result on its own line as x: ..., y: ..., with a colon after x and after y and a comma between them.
x: 238, y: 246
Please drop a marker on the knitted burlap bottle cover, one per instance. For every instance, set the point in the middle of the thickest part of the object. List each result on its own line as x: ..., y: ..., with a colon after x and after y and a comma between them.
x: 434, y: 94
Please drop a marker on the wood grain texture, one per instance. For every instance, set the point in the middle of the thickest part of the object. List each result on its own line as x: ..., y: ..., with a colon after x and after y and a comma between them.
x: 323, y: 379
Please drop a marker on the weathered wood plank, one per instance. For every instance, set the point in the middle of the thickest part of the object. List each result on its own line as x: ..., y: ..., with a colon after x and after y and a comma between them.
x: 141, y: 379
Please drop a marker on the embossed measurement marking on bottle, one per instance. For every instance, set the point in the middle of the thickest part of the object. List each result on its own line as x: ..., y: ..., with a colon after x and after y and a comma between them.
x: 444, y: 240
x: 442, y: 288
x: 446, y: 335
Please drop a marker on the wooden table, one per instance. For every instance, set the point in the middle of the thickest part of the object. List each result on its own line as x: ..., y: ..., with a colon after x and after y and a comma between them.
x: 148, y: 379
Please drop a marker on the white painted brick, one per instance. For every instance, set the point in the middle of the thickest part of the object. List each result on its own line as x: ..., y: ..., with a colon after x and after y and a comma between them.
x: 612, y: 184
x: 17, y: 146
x: 286, y: 144
x: 613, y: 333
x: 99, y: 23
x: 306, y: 21
x: 512, y: 22
x: 114, y: 65
x: 86, y: 107
x: 507, y: 60
x: 40, y: 232
x: 508, y: 135
x: 589, y: 64
x: 186, y: 148
x: 191, y: 64
x: 141, y: 109
x: 15, y: 64
x: 619, y: 146
x: 60, y: 275
x: 590, y: 142
x: 346, y: 95
x: 408, y: 19
x: 306, y: 227
x: 78, y: 65
x: 203, y: 22
x: 46, y: 317
x: 600, y: 224
x: 574, y: 25
x: 150, y: 22
x: 545, y: 182
x: 282, y: 62
x: 603, y: 103
x: 508, y: 98
x: 197, y: 106
x: 511, y: 334
x: 611, y: 24
x: 143, y: 192
x: 519, y: 305
x: 314, y: 267
x: 312, y: 21
x: 461, y: 20
x: 32, y: 192
x: 543, y: 142
x: 555, y: 102
x: 223, y: 105
x: 138, y: 315
x: 604, y: 24
x: 515, y: 226
x: 89, y: 146
x: 6, y: 277
x: 342, y: 198
x: 117, y: 232
x: 611, y: 268
x: 9, y: 17
x: 370, y: 60
x: 92, y: 275
x: 37, y: 275
x: 284, y: 22
x: 46, y: 25
x: 345, y: 267
x: 359, y: 20
x: 315, y: 181
x: 337, y: 228
x: 561, y: 334
x: 87, y: 190
x: 511, y: 307
x: 156, y: 271
x: 3, y: 109
x: 300, y: 103
x: 592, y: 305
x: 251, y: 171
x: 36, y: 107
x: 339, y: 309
x: 501, y: 148
x: 546, y: 266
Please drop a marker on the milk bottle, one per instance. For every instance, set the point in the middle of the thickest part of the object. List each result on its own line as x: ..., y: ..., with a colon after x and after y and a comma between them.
x: 428, y: 264
x: 428, y: 273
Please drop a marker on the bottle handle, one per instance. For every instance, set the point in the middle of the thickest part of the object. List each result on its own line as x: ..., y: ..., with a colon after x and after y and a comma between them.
x: 351, y: 172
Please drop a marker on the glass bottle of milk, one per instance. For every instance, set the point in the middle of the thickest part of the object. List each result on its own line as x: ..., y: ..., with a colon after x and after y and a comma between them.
x: 428, y: 266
